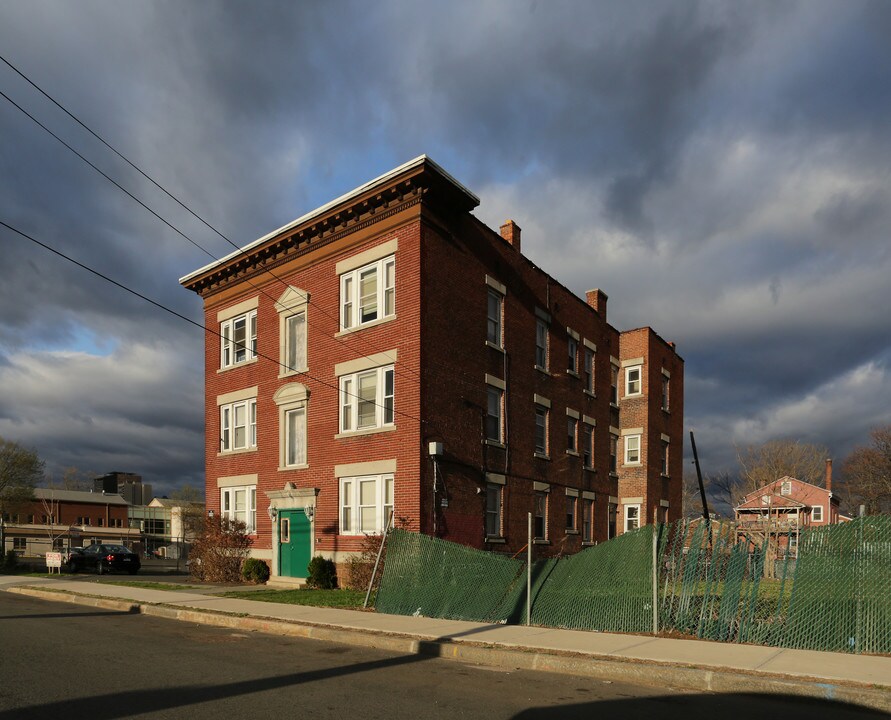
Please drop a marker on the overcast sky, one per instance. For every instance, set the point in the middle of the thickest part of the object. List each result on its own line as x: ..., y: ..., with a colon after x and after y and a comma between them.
x: 720, y: 170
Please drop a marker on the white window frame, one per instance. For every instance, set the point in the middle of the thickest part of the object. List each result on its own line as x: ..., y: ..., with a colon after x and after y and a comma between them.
x: 228, y: 427
x: 494, y: 491
x: 352, y: 301
x: 495, y: 325
x: 384, y: 401
x: 632, y: 518
x: 542, y: 343
x: 292, y: 312
x: 350, y: 505
x: 786, y: 488
x: 229, y: 508
x: 229, y: 347
x: 632, y: 450
x: 629, y: 383
x: 816, y: 513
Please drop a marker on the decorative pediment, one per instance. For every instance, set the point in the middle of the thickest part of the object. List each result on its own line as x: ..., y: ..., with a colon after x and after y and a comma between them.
x: 292, y: 299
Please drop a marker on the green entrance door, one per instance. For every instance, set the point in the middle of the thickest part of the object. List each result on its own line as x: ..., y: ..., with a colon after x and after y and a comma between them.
x: 294, y: 543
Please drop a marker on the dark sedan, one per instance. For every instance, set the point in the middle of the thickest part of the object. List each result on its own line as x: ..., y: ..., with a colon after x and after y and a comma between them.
x: 104, y: 558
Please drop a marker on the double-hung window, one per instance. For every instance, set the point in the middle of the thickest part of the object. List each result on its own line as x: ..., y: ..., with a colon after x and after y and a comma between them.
x: 587, y: 513
x: 494, y: 429
x: 238, y: 425
x: 291, y: 400
x: 366, y: 504
x: 572, y: 503
x: 632, y: 449
x: 589, y: 370
x: 664, y: 458
x: 540, y: 516
x: 572, y: 429
x: 494, y: 314
x: 586, y: 444
x: 572, y: 347
x: 541, y: 344
x: 541, y: 430
x: 367, y: 399
x: 613, y: 384
x: 238, y: 339
x: 291, y: 307
x: 494, y: 414
x: 666, y: 386
x: 613, y: 452
x: 493, y: 510
x: 632, y: 380
x: 632, y: 517
x: 368, y: 293
x: 817, y: 513
x: 239, y: 504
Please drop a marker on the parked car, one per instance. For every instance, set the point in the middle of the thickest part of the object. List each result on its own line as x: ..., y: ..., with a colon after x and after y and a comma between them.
x: 103, y: 558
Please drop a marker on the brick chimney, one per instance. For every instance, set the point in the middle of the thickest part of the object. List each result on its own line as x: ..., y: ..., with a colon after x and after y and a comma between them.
x: 597, y: 299
x: 510, y: 231
x: 829, y: 474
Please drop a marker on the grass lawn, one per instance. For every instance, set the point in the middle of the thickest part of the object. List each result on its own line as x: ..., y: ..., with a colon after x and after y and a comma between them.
x: 348, y: 599
x: 150, y: 585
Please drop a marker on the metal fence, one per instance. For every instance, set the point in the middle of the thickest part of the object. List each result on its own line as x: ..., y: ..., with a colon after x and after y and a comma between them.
x: 826, y: 588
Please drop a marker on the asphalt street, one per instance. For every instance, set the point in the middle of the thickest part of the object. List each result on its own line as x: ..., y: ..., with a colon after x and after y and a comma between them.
x: 60, y: 660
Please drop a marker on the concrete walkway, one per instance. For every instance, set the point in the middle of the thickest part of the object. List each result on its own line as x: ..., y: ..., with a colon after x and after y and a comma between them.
x: 693, y: 664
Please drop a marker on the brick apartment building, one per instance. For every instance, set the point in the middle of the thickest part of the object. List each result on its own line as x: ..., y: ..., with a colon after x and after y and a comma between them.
x: 59, y: 519
x: 390, y: 352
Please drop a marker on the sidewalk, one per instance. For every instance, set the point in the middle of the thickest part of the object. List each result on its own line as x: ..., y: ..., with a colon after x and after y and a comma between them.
x: 693, y: 664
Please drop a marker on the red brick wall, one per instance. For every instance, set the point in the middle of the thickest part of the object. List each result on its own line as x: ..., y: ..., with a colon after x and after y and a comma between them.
x: 439, y: 332
x: 324, y: 350
x: 645, y: 411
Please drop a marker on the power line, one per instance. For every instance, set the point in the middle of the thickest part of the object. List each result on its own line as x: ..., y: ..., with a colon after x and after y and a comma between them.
x: 188, y: 319
x: 162, y: 189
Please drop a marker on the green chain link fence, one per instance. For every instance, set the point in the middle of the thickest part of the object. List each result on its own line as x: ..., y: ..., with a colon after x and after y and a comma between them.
x: 717, y: 581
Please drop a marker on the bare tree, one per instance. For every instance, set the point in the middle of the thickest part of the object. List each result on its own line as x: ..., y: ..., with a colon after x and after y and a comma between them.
x: 763, y: 464
x: 866, y: 474
x: 726, y: 490
x: 20, y: 470
x: 72, y: 479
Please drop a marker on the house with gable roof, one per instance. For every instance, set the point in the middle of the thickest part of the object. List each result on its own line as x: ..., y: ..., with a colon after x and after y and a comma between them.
x: 778, y: 511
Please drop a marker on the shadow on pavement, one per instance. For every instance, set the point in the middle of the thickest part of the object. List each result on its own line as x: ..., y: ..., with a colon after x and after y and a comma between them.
x: 685, y: 707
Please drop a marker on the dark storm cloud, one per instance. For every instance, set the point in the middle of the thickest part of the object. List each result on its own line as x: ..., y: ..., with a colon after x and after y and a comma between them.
x: 720, y: 170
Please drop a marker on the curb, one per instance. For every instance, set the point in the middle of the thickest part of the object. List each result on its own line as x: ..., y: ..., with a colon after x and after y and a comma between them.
x: 646, y: 672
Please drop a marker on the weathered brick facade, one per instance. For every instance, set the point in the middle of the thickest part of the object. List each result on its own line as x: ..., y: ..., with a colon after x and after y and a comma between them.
x: 452, y: 358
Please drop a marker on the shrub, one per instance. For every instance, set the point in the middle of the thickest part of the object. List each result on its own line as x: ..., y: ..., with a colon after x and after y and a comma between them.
x: 255, y: 571
x: 219, y: 551
x: 360, y: 567
x: 322, y: 574
x: 10, y: 561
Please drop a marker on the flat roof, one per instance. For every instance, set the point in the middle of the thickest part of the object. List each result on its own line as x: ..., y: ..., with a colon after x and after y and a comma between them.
x: 382, y: 179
